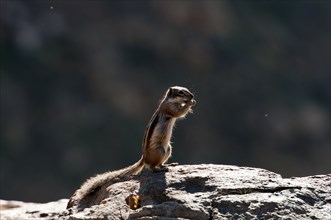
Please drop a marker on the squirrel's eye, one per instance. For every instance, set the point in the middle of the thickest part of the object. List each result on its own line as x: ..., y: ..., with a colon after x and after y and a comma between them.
x: 181, y: 93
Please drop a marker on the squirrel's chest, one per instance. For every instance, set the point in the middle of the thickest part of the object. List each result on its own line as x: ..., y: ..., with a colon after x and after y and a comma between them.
x: 161, y: 134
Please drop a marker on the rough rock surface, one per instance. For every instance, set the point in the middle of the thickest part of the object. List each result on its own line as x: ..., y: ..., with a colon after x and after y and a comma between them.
x: 198, y: 192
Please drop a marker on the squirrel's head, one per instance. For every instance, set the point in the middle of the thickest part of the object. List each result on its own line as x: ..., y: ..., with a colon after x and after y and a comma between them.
x: 181, y: 95
x: 178, y: 100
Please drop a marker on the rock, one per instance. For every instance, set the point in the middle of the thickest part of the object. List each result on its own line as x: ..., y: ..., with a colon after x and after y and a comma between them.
x: 15, y: 210
x: 198, y: 192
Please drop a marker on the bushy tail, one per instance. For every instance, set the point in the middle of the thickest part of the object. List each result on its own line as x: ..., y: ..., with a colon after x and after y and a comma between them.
x: 99, y: 180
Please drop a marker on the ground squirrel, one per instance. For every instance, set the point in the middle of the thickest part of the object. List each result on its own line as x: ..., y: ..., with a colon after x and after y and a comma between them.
x: 156, y: 148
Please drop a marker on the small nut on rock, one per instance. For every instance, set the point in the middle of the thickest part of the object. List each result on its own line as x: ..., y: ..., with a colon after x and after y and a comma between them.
x: 133, y: 200
x: 104, y: 201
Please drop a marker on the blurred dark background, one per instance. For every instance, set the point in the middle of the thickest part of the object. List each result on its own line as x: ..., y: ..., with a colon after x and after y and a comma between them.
x: 81, y: 79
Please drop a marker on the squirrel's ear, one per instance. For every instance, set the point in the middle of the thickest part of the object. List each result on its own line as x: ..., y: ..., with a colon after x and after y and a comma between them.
x: 170, y: 92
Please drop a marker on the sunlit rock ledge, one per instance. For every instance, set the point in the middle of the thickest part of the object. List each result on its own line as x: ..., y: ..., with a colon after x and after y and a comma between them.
x: 201, y: 192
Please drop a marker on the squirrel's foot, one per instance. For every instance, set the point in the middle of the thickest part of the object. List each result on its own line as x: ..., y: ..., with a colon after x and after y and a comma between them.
x: 160, y: 169
x: 171, y: 164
